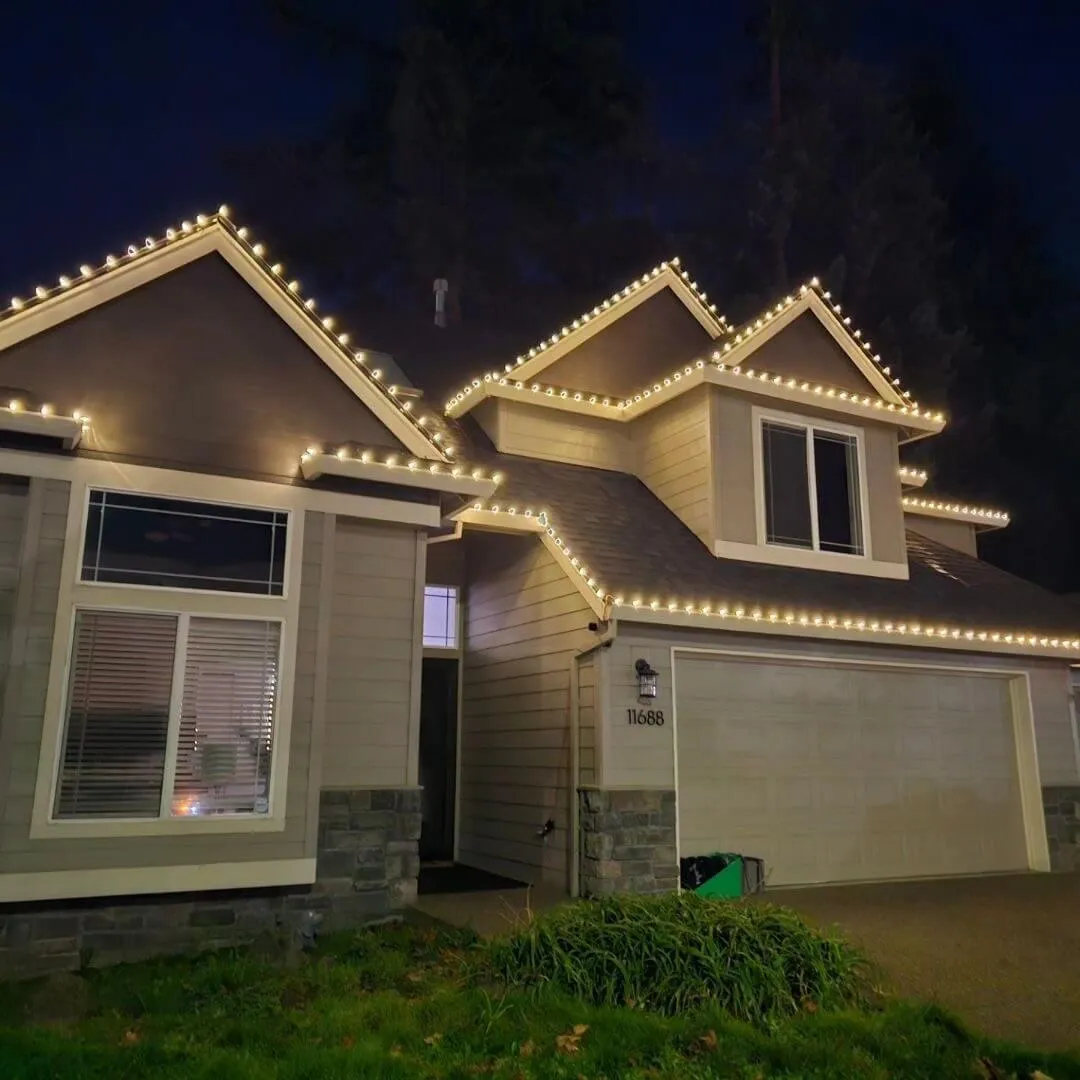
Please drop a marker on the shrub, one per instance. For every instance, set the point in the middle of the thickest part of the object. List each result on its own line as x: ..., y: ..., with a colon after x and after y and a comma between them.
x: 676, y: 953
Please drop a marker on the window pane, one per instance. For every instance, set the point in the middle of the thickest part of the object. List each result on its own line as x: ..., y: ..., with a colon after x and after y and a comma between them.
x: 117, y: 715
x: 787, y: 489
x: 836, y: 472
x: 139, y: 540
x: 227, y: 717
x: 440, y: 616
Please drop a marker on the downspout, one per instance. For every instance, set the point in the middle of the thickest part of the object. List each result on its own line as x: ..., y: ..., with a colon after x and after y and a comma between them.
x: 607, y: 636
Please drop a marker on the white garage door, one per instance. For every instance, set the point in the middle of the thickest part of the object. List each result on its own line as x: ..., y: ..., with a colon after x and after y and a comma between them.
x: 835, y: 773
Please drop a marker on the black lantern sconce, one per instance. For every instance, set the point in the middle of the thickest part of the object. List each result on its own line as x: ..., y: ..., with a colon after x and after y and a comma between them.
x: 646, y: 678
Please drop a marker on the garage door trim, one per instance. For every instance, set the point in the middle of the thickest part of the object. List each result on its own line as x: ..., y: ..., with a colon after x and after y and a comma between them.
x: 1023, y: 718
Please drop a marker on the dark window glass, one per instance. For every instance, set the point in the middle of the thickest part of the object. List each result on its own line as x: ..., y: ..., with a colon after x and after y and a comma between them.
x: 836, y: 473
x: 787, y: 494
x: 176, y: 543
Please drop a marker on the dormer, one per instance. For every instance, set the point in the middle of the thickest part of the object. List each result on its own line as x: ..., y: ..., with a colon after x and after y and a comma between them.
x: 778, y: 442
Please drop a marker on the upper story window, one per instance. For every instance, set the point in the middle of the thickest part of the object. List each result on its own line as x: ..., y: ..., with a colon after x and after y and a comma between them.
x: 181, y: 544
x: 440, y: 616
x: 812, y: 487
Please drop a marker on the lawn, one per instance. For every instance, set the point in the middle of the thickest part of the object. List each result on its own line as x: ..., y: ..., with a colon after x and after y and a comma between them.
x: 423, y: 1001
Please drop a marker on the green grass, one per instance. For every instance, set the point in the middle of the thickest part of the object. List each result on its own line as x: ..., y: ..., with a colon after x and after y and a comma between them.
x: 676, y: 953
x: 405, y: 1002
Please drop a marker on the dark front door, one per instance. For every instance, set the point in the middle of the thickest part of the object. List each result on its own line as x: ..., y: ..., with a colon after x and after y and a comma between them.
x: 438, y: 744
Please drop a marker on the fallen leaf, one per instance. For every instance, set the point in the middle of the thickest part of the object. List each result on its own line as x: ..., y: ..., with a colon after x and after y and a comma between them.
x: 527, y: 1048
x: 395, y: 1051
x: 989, y: 1070
x: 348, y: 1042
x: 1038, y: 1074
x: 580, y: 1029
x: 433, y: 1040
x: 809, y: 1005
x: 131, y: 1036
x: 415, y: 976
x: 708, y: 1041
x: 567, y: 1044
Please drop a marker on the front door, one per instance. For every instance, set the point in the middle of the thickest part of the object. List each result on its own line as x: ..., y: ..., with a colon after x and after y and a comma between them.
x: 438, y: 758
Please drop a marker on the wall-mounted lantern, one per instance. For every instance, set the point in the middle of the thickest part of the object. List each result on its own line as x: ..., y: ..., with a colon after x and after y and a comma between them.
x: 647, y: 678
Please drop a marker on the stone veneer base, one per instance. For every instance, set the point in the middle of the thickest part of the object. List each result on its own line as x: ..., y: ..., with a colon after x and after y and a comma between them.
x: 366, y: 870
x: 627, y: 841
x: 1061, y: 805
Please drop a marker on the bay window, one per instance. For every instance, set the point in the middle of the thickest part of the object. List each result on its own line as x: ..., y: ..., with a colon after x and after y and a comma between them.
x: 171, y: 703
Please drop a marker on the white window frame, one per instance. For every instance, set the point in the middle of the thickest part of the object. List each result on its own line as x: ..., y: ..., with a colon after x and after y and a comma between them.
x: 75, y: 594
x: 812, y: 556
x: 445, y: 650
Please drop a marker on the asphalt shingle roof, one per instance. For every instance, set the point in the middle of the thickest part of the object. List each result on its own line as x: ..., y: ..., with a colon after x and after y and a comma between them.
x: 635, y: 546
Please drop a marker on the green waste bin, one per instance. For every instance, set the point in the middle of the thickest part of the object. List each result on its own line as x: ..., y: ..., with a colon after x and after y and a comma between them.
x: 727, y: 884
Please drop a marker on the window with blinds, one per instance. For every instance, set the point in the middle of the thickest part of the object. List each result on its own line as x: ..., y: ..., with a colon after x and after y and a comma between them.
x: 132, y: 748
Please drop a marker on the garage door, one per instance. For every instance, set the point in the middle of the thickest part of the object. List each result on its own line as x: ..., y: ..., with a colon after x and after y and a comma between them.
x: 835, y: 773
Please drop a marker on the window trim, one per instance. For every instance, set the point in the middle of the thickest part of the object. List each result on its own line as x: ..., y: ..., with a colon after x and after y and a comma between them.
x: 812, y: 556
x: 75, y: 593
x: 110, y: 489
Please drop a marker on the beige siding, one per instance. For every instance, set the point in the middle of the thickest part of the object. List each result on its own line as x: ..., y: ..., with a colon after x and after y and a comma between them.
x: 518, y: 427
x: 673, y: 445
x: 733, y: 449
x: 370, y: 669
x: 587, y: 707
x: 955, y: 534
x: 13, y: 499
x: 524, y: 622
x: 641, y: 757
x: 36, y: 602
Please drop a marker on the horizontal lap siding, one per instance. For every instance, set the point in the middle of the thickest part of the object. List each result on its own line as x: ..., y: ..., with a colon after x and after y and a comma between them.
x: 13, y: 499
x: 524, y: 621
x: 555, y: 435
x: 673, y: 459
x: 587, y: 719
x: 369, y: 672
x: 20, y: 854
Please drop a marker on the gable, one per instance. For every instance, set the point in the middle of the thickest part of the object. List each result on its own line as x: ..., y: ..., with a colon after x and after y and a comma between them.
x: 193, y: 370
x: 656, y: 336
x: 805, y: 350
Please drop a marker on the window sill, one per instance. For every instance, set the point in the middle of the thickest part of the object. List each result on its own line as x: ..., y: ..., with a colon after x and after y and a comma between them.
x: 836, y: 562
x: 188, y: 826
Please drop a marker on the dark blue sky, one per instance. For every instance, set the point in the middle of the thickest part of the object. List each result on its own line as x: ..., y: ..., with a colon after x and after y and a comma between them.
x: 117, y: 123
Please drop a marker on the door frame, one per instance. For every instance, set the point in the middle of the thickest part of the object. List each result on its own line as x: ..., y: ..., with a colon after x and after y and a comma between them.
x: 1023, y: 723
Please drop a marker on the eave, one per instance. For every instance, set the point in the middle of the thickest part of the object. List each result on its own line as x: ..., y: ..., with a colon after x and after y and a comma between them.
x: 67, y: 430
x: 981, y: 517
x: 399, y: 470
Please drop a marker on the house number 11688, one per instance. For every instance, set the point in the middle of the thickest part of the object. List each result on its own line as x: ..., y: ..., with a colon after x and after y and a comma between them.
x: 652, y: 717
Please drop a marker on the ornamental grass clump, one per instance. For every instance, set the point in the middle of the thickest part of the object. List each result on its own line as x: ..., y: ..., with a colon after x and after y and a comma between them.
x: 677, y: 953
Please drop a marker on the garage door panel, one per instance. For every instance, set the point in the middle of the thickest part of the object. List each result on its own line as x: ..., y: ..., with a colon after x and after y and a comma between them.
x: 834, y: 773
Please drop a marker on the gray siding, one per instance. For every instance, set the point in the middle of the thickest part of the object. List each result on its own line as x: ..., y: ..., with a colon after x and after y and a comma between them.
x: 372, y: 656
x: 673, y: 444
x: 524, y: 622
x: 641, y: 756
x: 13, y: 499
x: 24, y: 717
x: 587, y: 708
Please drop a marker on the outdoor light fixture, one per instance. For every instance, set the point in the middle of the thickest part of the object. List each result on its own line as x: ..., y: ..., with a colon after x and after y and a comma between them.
x: 646, y: 678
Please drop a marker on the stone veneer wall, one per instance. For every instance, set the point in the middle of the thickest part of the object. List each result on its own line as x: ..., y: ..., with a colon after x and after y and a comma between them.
x: 627, y: 841
x: 367, y: 868
x: 1062, y: 808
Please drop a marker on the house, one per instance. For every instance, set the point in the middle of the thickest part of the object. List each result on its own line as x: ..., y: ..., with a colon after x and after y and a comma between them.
x: 275, y: 629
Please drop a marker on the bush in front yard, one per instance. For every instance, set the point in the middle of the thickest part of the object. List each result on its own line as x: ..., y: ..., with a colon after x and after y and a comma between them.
x: 671, y: 954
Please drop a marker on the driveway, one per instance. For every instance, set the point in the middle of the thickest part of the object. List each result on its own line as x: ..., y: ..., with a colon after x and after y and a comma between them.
x: 1001, y: 952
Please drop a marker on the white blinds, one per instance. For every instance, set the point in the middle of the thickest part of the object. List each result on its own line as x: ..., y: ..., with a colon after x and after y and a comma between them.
x: 227, y: 717
x: 118, y: 736
x: 117, y: 715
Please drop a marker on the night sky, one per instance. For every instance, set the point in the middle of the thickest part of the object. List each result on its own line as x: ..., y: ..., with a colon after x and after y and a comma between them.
x: 118, y: 124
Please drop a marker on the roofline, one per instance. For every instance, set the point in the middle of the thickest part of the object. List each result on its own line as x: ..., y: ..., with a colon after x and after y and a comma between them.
x: 155, y: 257
x: 917, y: 422
x: 981, y: 517
x: 363, y: 465
x: 767, y: 618
x: 665, y: 274
x: 911, y: 476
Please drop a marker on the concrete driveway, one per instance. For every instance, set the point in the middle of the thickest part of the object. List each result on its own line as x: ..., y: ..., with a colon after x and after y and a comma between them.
x: 1001, y: 952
